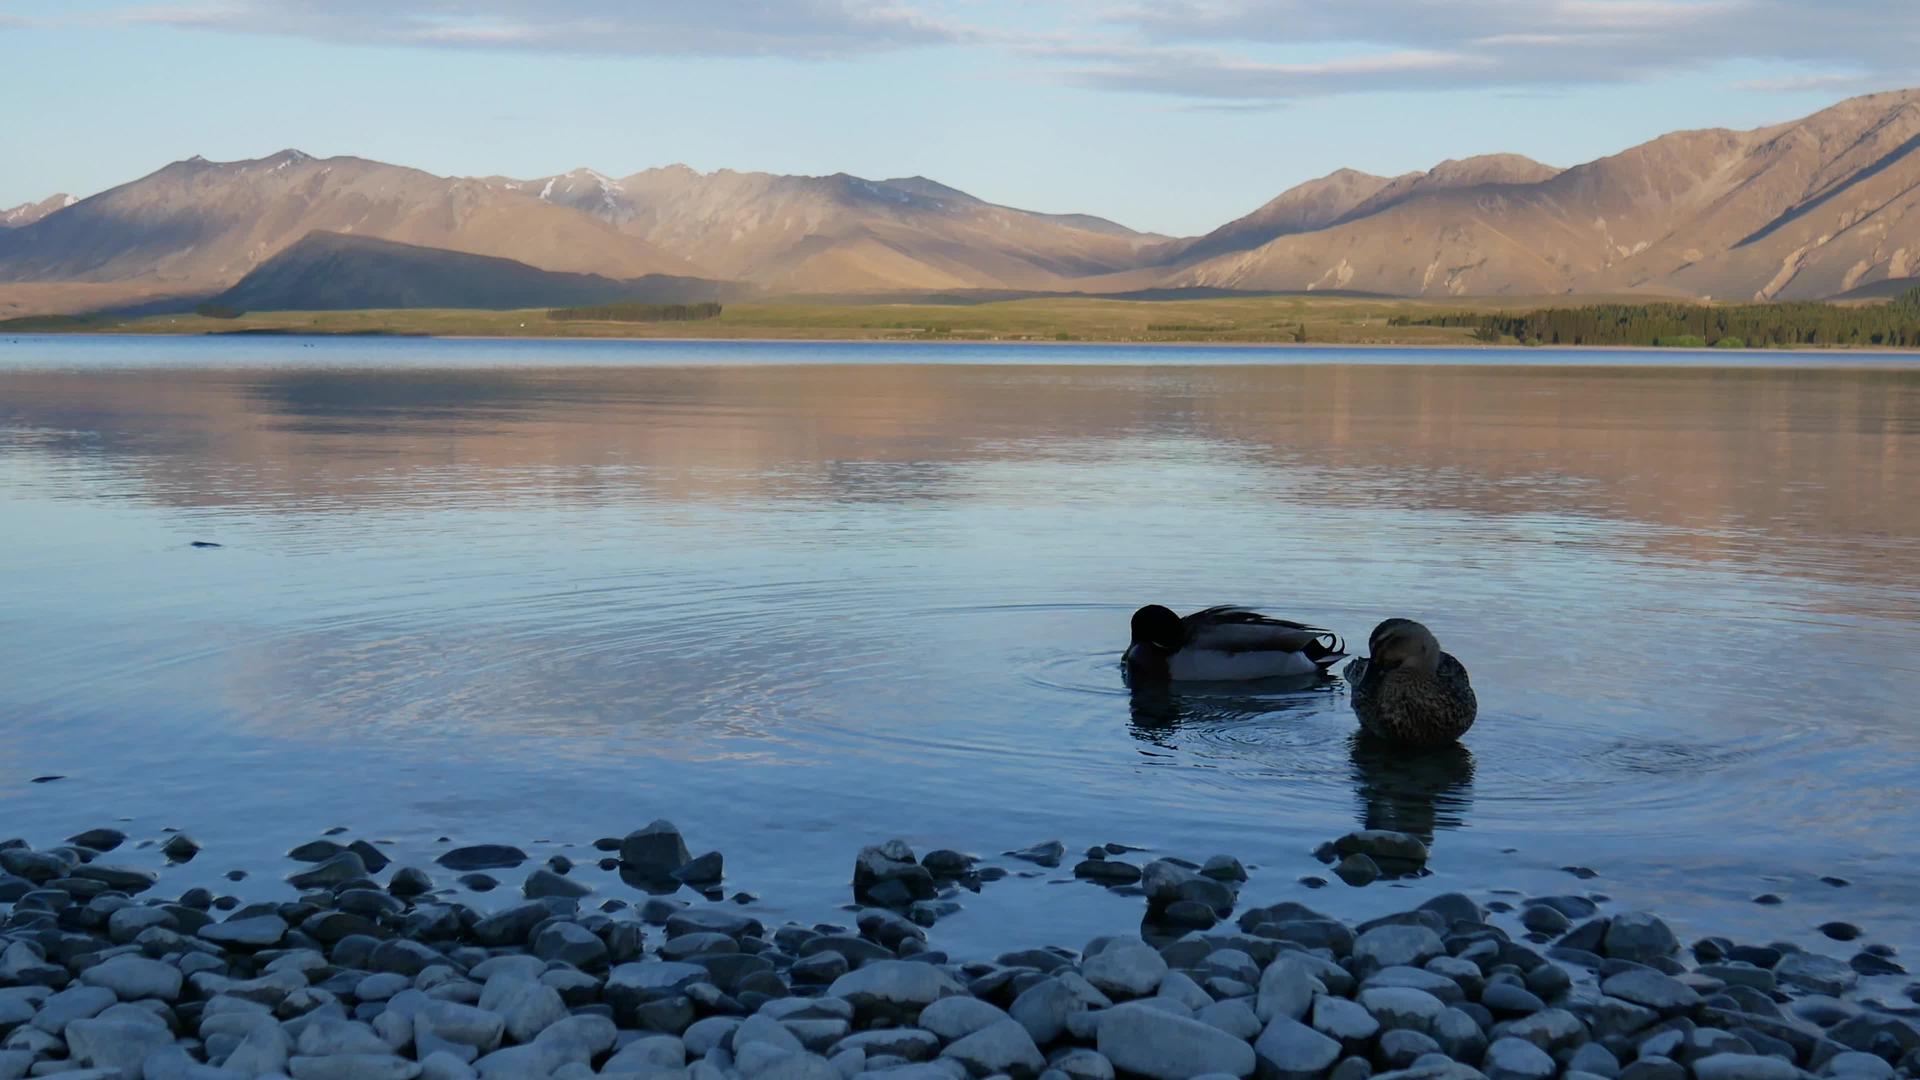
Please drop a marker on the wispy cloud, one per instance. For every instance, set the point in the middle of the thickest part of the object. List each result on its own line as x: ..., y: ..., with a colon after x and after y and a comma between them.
x: 1189, y: 51
x: 1217, y: 49
x: 795, y: 28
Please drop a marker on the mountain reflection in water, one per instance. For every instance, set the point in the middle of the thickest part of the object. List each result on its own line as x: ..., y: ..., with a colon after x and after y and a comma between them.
x: 514, y: 591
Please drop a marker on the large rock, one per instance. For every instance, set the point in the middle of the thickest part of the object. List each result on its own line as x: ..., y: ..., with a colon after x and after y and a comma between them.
x: 1290, y: 1050
x: 481, y: 1029
x: 912, y: 1044
x: 253, y: 932
x: 353, y: 1067
x: 1126, y: 968
x: 1339, y: 1018
x: 654, y: 852
x: 338, y: 870
x: 1552, y: 1030
x: 1287, y: 989
x: 1651, y: 989
x: 1395, y: 945
x: 895, y: 988
x: 482, y: 857
x: 115, y: 1044
x: 133, y: 977
x: 1148, y: 1041
x: 1811, y: 971
x: 1003, y: 1048
x: 1044, y: 1007
x: 576, y: 1040
x: 1517, y: 1059
x: 1398, y: 1007
x: 1744, y: 1067
x: 1396, y: 852
x: 958, y: 1017
x: 1167, y: 883
x: 889, y: 876
x: 1640, y: 937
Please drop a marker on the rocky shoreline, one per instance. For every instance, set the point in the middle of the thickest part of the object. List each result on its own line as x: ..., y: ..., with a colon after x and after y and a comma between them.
x: 368, y: 970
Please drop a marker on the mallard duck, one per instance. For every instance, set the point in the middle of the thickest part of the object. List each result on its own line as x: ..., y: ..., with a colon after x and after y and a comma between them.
x: 1407, y: 690
x: 1225, y: 644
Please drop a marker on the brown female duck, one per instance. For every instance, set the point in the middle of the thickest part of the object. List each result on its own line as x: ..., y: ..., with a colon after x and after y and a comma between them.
x: 1407, y: 690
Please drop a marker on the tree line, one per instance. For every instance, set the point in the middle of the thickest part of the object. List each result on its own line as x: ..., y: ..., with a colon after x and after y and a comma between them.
x: 1739, y: 326
x: 636, y: 312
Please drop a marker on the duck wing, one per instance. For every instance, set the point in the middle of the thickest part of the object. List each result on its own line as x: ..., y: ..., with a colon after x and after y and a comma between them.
x: 1233, y: 629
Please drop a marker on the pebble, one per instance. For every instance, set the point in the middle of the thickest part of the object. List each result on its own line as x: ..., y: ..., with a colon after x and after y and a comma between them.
x: 1396, y: 946
x: 354, y: 980
x: 1357, y: 870
x: 1151, y: 1042
x: 1517, y: 1059
x: 1003, y: 1047
x: 957, y: 1017
x: 1046, y: 854
x: 479, y: 857
x: 1638, y: 936
x: 1403, y: 1007
x: 1816, y: 973
x: 130, y: 978
x: 1347, y: 1021
x: 1126, y: 968
x: 1744, y: 1067
x: 1107, y: 871
x: 895, y: 987
x: 1649, y: 988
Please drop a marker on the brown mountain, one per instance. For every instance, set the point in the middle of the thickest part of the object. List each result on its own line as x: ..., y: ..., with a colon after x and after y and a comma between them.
x: 1306, y: 207
x: 1453, y: 175
x: 1804, y: 209
x: 203, y: 224
x: 841, y: 233
x: 1812, y: 208
x: 325, y: 271
x: 28, y: 213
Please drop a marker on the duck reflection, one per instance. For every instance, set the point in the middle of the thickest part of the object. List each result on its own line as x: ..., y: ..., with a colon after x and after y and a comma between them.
x: 1157, y: 711
x: 1410, y: 789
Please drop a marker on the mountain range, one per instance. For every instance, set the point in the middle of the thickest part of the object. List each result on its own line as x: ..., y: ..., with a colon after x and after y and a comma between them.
x: 1812, y: 208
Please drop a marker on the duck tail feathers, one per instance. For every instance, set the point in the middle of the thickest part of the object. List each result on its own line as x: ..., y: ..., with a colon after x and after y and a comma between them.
x: 1326, y: 651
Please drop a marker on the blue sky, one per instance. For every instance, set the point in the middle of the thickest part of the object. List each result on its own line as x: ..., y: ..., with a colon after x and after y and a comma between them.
x: 1172, y: 115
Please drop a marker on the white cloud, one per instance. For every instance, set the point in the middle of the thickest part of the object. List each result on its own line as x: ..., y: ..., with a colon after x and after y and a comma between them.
x: 1210, y: 49
x: 799, y: 28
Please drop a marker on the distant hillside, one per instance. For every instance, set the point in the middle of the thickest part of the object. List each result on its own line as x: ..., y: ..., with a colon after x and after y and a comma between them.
x: 1822, y: 206
x: 199, y: 224
x: 1801, y: 210
x: 1885, y: 289
x: 27, y: 213
x: 841, y: 233
x: 326, y: 271
x: 1315, y: 204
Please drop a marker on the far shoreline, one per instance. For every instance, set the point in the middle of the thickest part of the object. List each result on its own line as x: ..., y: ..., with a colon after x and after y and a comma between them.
x: 1195, y: 343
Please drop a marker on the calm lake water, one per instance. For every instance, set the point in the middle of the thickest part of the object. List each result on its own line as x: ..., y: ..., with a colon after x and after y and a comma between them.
x: 799, y: 598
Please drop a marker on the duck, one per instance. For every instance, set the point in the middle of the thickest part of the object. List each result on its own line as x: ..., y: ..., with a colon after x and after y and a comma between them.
x: 1408, y: 691
x: 1225, y: 644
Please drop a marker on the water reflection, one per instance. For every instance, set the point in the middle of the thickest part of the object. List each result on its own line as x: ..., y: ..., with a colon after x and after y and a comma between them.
x: 1411, y: 789
x: 1158, y: 713
x: 888, y: 599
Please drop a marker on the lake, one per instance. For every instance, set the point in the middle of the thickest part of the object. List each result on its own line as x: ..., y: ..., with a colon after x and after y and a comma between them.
x: 799, y: 598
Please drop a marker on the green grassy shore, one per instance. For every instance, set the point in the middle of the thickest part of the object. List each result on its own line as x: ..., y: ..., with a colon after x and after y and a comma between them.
x: 1264, y: 320
x: 1330, y: 320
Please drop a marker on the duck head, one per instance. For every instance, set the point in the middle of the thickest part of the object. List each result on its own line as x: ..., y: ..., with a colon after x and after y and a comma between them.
x: 1404, y: 644
x: 1159, y: 628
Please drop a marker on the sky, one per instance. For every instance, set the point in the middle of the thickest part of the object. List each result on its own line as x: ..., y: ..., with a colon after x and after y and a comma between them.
x: 1166, y: 115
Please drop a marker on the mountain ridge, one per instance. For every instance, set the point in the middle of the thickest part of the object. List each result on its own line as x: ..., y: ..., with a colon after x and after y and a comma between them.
x: 1817, y: 206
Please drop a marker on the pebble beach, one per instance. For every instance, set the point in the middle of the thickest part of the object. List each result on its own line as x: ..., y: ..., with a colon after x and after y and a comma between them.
x: 494, y: 964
